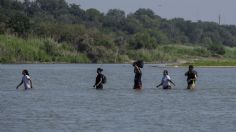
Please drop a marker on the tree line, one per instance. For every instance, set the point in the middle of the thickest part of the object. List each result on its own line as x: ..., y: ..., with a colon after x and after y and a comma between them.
x: 102, y: 35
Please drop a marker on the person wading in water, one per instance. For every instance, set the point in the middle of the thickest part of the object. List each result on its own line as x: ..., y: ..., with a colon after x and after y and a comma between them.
x: 191, y: 77
x: 100, y: 79
x: 138, y: 74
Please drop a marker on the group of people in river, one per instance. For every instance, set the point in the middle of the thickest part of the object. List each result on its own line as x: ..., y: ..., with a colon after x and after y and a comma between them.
x: 101, y: 79
x: 166, y: 80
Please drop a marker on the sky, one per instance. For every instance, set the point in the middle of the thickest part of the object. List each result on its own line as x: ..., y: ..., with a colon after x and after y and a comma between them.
x: 194, y: 10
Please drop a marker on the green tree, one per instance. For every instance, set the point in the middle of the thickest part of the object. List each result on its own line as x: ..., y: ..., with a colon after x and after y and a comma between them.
x: 5, y: 3
x: 52, y: 6
x: 19, y: 23
x: 144, y: 12
x: 143, y: 40
x: 2, y: 23
x: 114, y: 19
x: 131, y: 25
x: 160, y: 37
x: 147, y: 18
x: 93, y: 15
x: 93, y: 18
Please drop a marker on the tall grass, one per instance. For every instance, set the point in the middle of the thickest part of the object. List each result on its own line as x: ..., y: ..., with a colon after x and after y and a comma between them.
x: 230, y: 52
x: 32, y: 50
x: 17, y: 50
x: 169, y: 53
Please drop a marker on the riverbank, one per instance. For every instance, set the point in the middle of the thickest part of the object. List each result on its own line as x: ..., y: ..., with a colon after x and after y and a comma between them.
x: 15, y: 50
x: 211, y: 63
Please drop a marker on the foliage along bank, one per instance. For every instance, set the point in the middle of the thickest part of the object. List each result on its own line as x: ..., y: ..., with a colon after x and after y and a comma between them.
x: 114, y: 37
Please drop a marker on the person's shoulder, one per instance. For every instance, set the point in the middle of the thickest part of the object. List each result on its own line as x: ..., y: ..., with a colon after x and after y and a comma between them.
x: 167, y: 76
x: 27, y: 76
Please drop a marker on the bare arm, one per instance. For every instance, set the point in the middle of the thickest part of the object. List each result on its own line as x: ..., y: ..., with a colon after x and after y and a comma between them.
x: 96, y: 84
x: 172, y: 82
x: 160, y: 84
x: 138, y: 69
x: 99, y: 82
x: 31, y: 84
x: 19, y: 84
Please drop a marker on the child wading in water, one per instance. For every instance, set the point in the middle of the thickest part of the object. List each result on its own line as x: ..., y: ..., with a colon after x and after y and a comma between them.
x: 191, y: 77
x: 166, y: 80
x: 26, y: 79
x: 100, y: 79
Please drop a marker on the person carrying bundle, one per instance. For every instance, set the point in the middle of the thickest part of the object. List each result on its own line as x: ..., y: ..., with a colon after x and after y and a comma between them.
x: 138, y: 74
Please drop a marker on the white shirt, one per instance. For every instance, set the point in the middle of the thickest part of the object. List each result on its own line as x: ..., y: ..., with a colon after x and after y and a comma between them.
x: 26, y: 81
x: 165, y: 81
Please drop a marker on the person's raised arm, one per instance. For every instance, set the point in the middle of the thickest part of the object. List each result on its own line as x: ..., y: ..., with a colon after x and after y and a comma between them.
x: 138, y: 69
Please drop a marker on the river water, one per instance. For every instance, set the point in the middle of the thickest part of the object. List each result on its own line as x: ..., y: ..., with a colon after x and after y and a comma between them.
x: 63, y: 100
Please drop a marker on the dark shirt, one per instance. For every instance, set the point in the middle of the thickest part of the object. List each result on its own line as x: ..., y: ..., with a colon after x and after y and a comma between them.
x: 138, y: 74
x: 98, y: 79
x: 137, y: 78
x: 191, y: 74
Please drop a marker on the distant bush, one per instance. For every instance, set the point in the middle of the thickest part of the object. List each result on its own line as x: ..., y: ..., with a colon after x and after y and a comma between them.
x: 216, y: 49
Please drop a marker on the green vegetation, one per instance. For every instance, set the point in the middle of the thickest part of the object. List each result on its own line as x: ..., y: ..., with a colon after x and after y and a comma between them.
x: 16, y: 50
x: 54, y: 31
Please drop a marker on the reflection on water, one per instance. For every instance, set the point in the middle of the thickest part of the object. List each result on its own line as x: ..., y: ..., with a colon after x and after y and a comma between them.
x: 63, y: 100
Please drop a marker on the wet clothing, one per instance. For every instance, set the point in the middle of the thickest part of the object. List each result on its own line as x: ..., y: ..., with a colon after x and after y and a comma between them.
x: 137, y: 78
x: 191, y: 76
x: 98, y: 79
x: 166, y: 82
x: 26, y: 81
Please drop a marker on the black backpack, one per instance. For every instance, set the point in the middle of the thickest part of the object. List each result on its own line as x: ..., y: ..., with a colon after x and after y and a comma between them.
x: 104, y: 79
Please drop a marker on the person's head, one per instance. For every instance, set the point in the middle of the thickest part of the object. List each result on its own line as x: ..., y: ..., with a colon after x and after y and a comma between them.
x: 190, y: 67
x: 165, y: 72
x: 99, y: 70
x: 25, y: 72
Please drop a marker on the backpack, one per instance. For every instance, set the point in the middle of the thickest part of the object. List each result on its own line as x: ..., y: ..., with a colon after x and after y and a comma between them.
x: 104, y: 79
